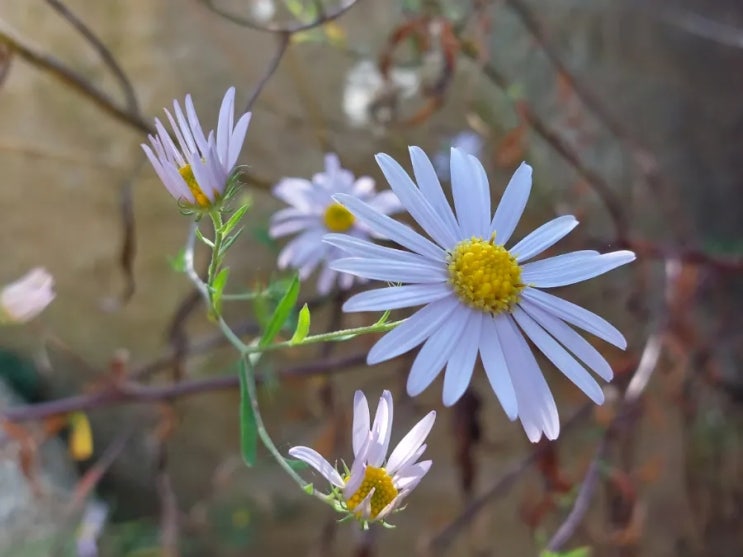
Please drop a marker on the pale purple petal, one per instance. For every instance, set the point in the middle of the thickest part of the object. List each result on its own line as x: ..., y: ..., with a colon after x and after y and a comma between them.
x: 391, y: 271
x: 563, y: 269
x: 390, y: 228
x: 512, y: 204
x: 543, y: 237
x: 413, y: 331
x: 396, y: 297
x: 560, y: 357
x: 429, y: 184
x: 410, y: 444
x: 361, y: 422
x: 414, y: 201
x: 461, y: 363
x: 467, y: 198
x: 314, y: 459
x: 576, y: 315
x: 537, y: 409
x: 491, y: 353
x: 570, y: 339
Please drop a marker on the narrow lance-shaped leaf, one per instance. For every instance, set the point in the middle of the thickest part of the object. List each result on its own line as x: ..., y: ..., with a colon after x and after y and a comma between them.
x: 303, y: 325
x: 248, y: 427
x: 234, y: 219
x: 283, y: 310
x: 220, y: 281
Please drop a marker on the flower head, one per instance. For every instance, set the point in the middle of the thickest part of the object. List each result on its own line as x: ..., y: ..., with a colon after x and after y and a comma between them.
x: 313, y: 213
x: 24, y: 299
x: 196, y: 172
x: 478, y: 295
x: 376, y: 485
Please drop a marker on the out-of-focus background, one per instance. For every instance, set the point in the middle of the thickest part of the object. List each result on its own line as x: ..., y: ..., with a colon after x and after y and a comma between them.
x: 630, y: 113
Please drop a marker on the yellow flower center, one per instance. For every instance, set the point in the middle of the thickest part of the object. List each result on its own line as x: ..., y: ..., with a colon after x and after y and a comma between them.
x: 187, y: 174
x: 337, y: 218
x: 484, y: 275
x: 384, y: 490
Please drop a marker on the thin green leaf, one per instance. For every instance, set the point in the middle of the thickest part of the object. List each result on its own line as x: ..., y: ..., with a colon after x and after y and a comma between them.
x: 220, y: 281
x: 248, y: 427
x: 297, y: 465
x: 283, y: 310
x: 204, y: 239
x: 303, y: 325
x: 178, y: 261
x: 235, y: 219
x: 230, y: 240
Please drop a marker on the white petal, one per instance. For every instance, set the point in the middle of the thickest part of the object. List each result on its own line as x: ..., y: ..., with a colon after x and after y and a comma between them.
x: 553, y: 274
x: 390, y: 270
x: 389, y: 228
x: 512, y: 204
x: 291, y: 226
x: 465, y: 187
x: 326, y: 280
x: 410, y: 476
x: 396, y: 297
x: 483, y: 190
x: 224, y: 123
x: 386, y: 202
x: 461, y: 363
x: 491, y: 354
x: 537, y: 409
x: 559, y: 356
x: 380, y: 431
x: 296, y: 192
x: 414, y: 201
x: 358, y: 470
x: 570, y: 339
x: 576, y: 315
x: 543, y: 237
x: 360, y: 422
x: 436, y: 351
x: 315, y: 459
x: 237, y: 139
x: 413, y: 331
x: 409, y: 445
x: 358, y: 247
x: 429, y: 184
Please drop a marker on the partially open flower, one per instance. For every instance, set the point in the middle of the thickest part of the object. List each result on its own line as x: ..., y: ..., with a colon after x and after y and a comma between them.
x: 375, y: 486
x: 196, y: 172
x: 24, y: 299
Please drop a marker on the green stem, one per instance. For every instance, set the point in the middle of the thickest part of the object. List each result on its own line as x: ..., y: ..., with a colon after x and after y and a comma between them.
x: 263, y: 433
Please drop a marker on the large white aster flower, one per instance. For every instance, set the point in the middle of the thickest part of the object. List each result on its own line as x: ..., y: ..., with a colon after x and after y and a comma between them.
x: 314, y: 213
x: 24, y: 299
x: 196, y: 171
x: 478, y: 296
x: 375, y: 486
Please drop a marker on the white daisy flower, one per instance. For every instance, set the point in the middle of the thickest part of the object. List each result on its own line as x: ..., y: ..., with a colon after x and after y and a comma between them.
x: 374, y: 488
x: 314, y: 213
x: 478, y: 295
x: 24, y: 299
x: 196, y: 171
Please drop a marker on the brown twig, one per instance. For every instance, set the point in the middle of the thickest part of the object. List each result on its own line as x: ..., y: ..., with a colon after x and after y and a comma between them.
x: 71, y: 78
x: 126, y: 86
x: 445, y: 536
x: 561, y: 147
x: 323, y: 18
x: 284, y: 39
x: 128, y: 393
x: 633, y: 392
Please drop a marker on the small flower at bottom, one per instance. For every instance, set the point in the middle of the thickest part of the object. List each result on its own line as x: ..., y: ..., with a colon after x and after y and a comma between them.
x: 313, y: 213
x: 24, y: 299
x: 198, y: 170
x: 375, y: 486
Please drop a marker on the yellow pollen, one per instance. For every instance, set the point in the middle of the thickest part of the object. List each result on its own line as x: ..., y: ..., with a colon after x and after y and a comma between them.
x: 337, y: 218
x: 484, y: 275
x: 187, y: 174
x: 384, y: 490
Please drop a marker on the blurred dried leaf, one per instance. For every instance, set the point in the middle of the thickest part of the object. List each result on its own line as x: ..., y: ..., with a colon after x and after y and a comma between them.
x: 80, y: 441
x: 27, y: 449
x: 511, y: 149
